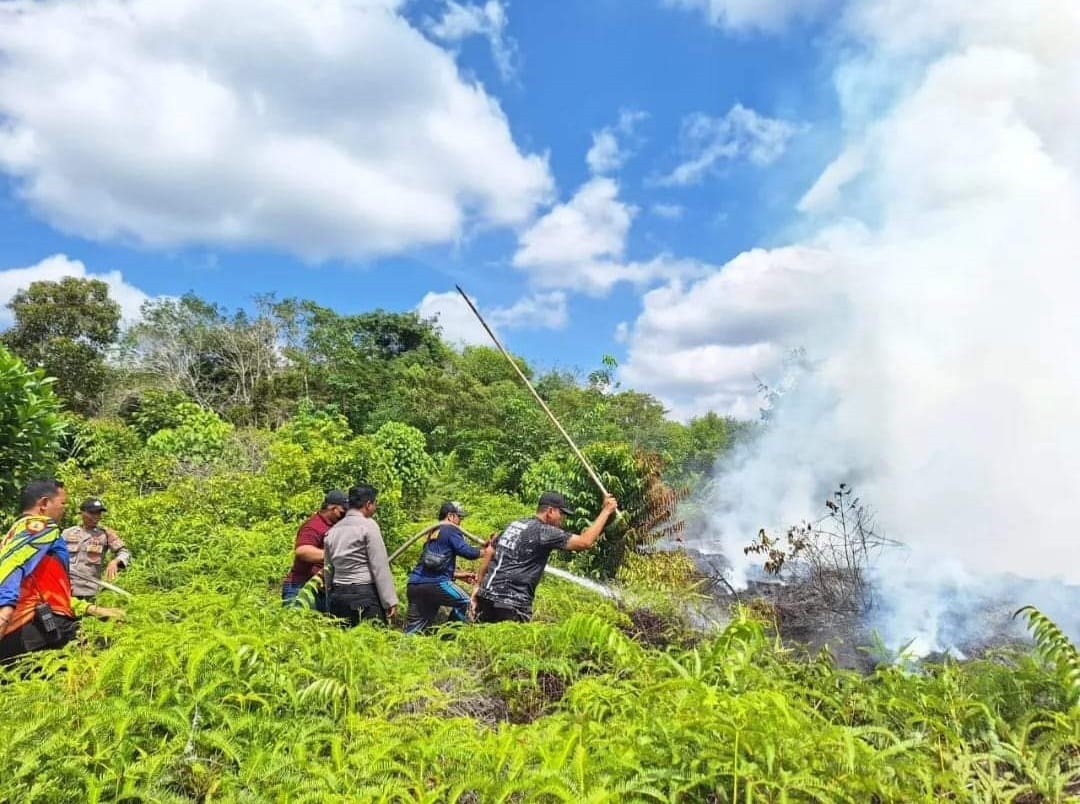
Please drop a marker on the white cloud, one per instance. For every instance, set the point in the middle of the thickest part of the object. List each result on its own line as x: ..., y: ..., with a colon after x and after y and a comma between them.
x: 947, y: 387
x: 671, y: 212
x: 744, y: 15
x: 538, y: 311
x: 604, y: 156
x: 591, y: 225
x: 742, y: 133
x: 329, y: 128
x: 58, y: 266
x: 580, y: 245
x: 826, y: 191
x: 612, y: 146
x: 459, y: 325
x: 699, y: 345
x: 460, y: 21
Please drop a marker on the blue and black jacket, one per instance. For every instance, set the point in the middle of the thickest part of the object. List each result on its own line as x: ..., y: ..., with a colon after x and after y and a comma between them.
x: 447, y: 541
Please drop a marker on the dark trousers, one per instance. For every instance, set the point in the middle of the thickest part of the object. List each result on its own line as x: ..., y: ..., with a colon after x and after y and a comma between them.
x: 488, y: 611
x: 31, y: 638
x: 353, y: 603
x: 425, y: 600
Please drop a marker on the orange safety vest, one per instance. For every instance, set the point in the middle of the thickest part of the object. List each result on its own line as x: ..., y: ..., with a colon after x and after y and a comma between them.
x: 48, y: 582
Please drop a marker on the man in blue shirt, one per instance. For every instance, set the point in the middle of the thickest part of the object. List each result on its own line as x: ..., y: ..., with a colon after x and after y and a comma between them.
x: 431, y: 583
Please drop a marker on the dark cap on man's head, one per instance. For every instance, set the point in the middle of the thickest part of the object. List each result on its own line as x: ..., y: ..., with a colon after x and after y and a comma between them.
x: 93, y: 506
x: 448, y: 508
x: 335, y: 497
x: 552, y: 499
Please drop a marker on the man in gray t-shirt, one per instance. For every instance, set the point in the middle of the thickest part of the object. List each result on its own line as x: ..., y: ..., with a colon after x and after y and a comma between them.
x: 510, y: 567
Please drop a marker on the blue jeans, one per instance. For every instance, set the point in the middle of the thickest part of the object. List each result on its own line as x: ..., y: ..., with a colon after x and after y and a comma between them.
x: 290, y: 591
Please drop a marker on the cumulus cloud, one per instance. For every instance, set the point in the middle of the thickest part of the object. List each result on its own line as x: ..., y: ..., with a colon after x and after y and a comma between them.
x: 742, y: 133
x: 613, y: 145
x: 590, y: 226
x: 330, y: 128
x: 55, y: 268
x: 751, y: 15
x: 702, y: 345
x: 459, y: 325
x: 460, y: 21
x: 945, y: 387
x: 581, y: 245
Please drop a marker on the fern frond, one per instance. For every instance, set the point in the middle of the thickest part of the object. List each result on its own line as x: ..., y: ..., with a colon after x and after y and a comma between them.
x: 1056, y: 648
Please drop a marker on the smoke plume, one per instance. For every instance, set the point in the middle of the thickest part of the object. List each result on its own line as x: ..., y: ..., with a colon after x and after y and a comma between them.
x: 945, y: 387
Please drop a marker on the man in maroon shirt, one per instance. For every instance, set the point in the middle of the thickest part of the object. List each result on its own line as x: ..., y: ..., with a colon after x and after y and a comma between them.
x: 308, y: 555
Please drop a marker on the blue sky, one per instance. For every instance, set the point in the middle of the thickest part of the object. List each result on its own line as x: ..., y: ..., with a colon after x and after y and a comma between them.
x: 573, y: 70
x: 697, y: 186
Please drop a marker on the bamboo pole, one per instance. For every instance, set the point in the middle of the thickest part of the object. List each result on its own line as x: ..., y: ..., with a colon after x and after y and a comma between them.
x: 584, y: 462
x: 102, y: 584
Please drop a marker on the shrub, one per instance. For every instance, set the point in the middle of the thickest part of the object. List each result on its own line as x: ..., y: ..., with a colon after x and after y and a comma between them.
x: 198, y: 436
x: 30, y: 426
x: 408, y: 460
x: 152, y: 410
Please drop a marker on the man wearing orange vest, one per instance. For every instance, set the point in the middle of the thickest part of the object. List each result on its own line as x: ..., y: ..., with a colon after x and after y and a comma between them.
x: 37, y: 611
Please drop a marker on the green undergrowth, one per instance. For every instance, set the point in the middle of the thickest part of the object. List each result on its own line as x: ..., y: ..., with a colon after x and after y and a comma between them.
x: 211, y: 691
x: 205, y: 695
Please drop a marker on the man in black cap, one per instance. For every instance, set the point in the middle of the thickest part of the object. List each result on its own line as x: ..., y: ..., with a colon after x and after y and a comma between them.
x: 431, y: 583
x: 512, y: 564
x: 361, y: 585
x: 308, y: 552
x: 88, y: 544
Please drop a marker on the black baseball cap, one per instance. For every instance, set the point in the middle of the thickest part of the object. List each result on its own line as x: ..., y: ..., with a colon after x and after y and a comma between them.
x: 448, y: 508
x: 552, y: 499
x: 335, y: 497
x: 93, y: 506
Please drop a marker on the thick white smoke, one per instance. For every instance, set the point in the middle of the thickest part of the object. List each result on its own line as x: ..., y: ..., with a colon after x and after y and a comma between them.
x: 948, y: 389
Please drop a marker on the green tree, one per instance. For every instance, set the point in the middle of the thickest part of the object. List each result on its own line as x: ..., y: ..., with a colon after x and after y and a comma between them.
x: 65, y: 328
x: 709, y: 437
x: 221, y: 361
x: 411, y: 463
x: 647, y: 503
x: 355, y: 362
x: 30, y: 426
x: 487, y: 364
x: 152, y: 410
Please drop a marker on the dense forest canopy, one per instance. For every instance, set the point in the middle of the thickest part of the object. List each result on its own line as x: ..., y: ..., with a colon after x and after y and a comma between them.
x: 256, y: 369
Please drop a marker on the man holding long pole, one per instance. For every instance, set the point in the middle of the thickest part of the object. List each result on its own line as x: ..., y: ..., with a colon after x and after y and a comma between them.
x: 511, y: 567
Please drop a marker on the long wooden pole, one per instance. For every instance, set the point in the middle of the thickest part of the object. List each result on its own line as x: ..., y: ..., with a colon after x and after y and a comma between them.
x: 584, y: 462
x: 102, y: 584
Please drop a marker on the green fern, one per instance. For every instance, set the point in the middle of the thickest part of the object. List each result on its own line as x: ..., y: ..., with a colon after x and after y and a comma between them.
x: 1056, y: 648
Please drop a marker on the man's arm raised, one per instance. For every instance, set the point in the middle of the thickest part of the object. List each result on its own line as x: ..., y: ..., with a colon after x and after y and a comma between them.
x: 588, y: 537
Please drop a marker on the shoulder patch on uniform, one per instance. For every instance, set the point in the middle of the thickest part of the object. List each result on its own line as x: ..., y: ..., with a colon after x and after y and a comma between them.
x: 35, y: 526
